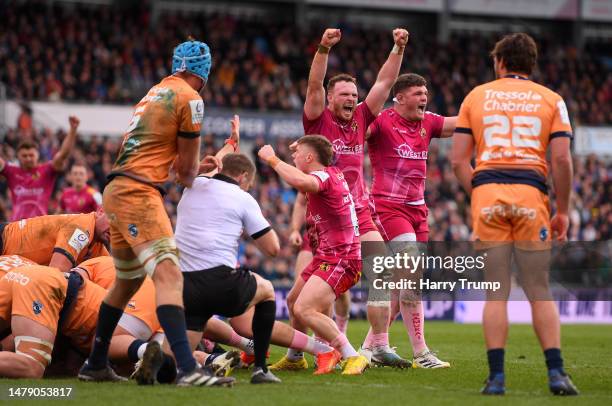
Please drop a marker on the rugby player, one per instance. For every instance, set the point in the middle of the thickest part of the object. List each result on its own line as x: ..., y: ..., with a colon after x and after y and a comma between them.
x: 32, y: 298
x: 398, y: 142
x: 31, y: 183
x: 336, y: 265
x: 80, y: 198
x: 344, y: 122
x: 510, y: 124
x: 59, y: 241
x: 164, y: 132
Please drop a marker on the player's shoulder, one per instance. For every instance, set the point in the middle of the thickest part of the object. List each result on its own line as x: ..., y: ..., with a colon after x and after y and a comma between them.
x: 546, y: 93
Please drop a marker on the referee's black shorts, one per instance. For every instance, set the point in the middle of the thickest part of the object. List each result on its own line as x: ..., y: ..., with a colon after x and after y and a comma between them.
x: 222, y: 291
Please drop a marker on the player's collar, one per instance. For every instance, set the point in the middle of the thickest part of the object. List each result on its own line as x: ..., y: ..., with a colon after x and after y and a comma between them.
x: 225, y: 178
x: 515, y: 76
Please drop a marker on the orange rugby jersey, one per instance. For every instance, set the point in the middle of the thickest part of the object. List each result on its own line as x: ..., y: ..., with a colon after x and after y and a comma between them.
x: 171, y: 108
x: 38, y: 238
x: 10, y: 262
x: 101, y: 270
x: 512, y: 120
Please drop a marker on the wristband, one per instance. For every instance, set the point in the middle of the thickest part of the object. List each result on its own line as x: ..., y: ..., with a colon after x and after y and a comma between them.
x: 322, y: 49
x: 273, y: 161
x: 232, y: 142
x: 397, y: 49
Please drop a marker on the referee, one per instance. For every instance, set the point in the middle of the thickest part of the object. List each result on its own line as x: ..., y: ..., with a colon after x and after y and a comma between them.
x: 212, y: 216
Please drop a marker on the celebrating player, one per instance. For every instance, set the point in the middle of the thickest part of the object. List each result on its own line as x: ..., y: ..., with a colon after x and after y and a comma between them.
x: 344, y: 123
x: 59, y: 241
x: 512, y: 121
x: 80, y: 198
x: 164, y: 132
x: 336, y: 265
x: 31, y: 184
x: 398, y: 142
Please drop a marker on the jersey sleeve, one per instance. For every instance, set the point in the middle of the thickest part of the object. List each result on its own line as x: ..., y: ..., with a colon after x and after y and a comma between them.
x: 464, y: 126
x: 437, y: 123
x: 190, y: 115
x: 323, y: 178
x: 253, y: 219
x: 312, y: 126
x: 75, y: 237
x: 561, y: 126
x: 366, y: 114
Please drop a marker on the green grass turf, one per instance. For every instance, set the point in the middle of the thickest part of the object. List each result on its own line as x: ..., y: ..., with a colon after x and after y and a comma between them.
x: 587, y: 352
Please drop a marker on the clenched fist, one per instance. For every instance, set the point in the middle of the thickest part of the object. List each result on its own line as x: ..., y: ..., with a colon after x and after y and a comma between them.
x: 400, y: 37
x: 331, y: 37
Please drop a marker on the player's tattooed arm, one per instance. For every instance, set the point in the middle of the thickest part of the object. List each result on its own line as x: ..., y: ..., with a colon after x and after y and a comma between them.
x: 290, y: 174
x: 315, y: 93
x: 60, y: 158
x: 388, y: 72
x: 448, y: 128
x: 461, y: 156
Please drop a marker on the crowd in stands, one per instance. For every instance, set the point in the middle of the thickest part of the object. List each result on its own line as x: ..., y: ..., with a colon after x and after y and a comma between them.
x: 90, y: 53
x: 87, y: 53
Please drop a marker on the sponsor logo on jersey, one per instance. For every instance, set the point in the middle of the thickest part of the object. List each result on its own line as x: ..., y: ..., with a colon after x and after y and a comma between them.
x: 132, y: 305
x: 341, y: 148
x: 423, y: 132
x: 17, y: 278
x: 405, y: 151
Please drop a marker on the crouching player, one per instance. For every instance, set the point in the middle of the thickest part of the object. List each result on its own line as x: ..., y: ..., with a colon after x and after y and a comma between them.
x: 336, y: 265
x: 31, y: 301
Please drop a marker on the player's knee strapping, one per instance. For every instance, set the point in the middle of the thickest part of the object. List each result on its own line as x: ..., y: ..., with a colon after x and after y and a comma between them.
x: 158, y: 251
x: 35, y: 349
x: 129, y: 269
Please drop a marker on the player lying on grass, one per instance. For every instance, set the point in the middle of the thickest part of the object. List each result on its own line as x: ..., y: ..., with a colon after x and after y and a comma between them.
x: 336, y: 265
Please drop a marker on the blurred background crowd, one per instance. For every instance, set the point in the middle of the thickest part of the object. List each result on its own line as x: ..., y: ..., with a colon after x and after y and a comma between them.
x: 90, y: 54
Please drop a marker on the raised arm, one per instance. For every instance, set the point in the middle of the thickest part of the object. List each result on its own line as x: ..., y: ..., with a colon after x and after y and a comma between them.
x: 290, y: 174
x: 232, y: 144
x: 315, y: 93
x: 59, y: 159
x: 388, y: 73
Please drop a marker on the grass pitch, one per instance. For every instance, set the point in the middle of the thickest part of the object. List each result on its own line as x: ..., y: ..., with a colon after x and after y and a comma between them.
x: 587, y: 353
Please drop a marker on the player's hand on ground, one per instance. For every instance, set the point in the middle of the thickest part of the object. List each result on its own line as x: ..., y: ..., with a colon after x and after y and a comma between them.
x: 74, y: 122
x: 235, y: 122
x: 209, y: 163
x: 266, y: 153
x: 331, y: 37
x: 559, y: 225
x: 400, y: 37
x: 295, y: 238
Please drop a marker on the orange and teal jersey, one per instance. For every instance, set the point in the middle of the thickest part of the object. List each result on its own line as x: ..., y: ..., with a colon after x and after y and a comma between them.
x: 512, y: 120
x: 171, y: 109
